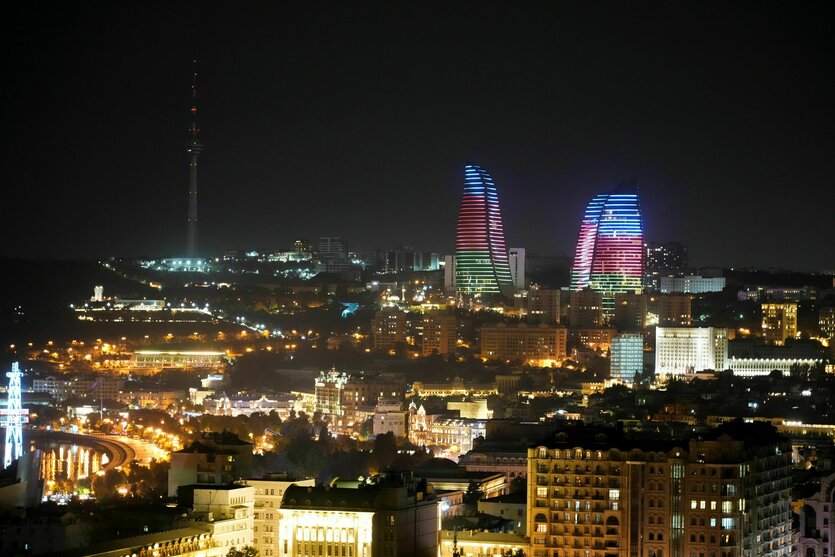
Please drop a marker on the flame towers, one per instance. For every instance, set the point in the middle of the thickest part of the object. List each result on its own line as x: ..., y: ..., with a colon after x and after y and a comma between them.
x: 481, y: 265
x: 610, y: 253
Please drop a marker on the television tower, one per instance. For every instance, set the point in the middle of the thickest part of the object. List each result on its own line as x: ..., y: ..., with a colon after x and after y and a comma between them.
x: 193, y: 148
x: 14, y: 417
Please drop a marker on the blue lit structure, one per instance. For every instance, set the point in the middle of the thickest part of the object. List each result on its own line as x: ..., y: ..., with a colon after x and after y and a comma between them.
x: 610, y: 249
x: 481, y: 262
x: 14, y: 416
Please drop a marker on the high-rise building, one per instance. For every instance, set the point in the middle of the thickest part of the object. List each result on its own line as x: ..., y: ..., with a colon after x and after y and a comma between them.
x: 779, y: 322
x: 440, y: 333
x: 194, y: 146
x: 542, y: 345
x: 630, y: 311
x: 663, y: 259
x: 389, y: 327
x: 516, y: 260
x: 680, y: 350
x: 586, y: 311
x: 332, y: 247
x: 610, y: 249
x: 727, y: 493
x: 626, y: 356
x: 544, y: 304
x: 826, y: 322
x: 674, y: 310
x: 481, y: 265
x: 449, y: 275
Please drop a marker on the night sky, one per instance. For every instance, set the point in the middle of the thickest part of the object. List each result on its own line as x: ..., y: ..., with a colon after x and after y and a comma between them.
x: 356, y: 119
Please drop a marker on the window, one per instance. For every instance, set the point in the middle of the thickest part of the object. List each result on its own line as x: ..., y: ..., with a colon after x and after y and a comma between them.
x: 727, y: 506
x: 542, y: 492
x: 727, y: 524
x: 542, y: 528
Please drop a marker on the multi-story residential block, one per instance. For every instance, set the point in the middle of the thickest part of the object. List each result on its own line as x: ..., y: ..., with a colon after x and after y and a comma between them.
x: 60, y: 388
x: 267, y: 502
x: 544, y: 304
x: 227, y: 509
x: 663, y: 259
x: 586, y: 309
x: 389, y: 327
x: 440, y: 333
x: 674, y: 310
x: 215, y: 458
x: 597, y: 493
x: 681, y: 350
x: 630, y: 311
x: 543, y: 345
x: 826, y: 322
x: 779, y: 322
x: 593, y: 339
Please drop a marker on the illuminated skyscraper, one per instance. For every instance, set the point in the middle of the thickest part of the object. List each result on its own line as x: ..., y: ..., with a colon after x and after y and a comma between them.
x: 610, y: 249
x: 481, y: 265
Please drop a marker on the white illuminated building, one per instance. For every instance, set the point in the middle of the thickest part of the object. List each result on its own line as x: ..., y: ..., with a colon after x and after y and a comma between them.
x: 361, y: 521
x: 268, y: 495
x: 691, y: 284
x: 681, y: 350
x: 516, y: 260
x: 757, y: 367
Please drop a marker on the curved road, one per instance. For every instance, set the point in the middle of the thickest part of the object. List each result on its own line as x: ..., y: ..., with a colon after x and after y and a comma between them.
x: 118, y: 453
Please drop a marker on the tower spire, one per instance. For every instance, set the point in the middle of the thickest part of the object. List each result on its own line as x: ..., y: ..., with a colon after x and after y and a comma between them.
x: 193, y: 148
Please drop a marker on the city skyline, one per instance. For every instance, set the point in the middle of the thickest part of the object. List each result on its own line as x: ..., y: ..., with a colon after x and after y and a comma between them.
x: 708, y: 108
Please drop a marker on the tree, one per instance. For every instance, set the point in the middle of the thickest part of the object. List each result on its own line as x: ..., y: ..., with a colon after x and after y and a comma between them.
x: 473, y: 494
x: 245, y: 551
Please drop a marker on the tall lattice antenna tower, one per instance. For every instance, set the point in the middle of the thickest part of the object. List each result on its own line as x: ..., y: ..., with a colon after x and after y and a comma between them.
x: 193, y: 148
x: 14, y: 416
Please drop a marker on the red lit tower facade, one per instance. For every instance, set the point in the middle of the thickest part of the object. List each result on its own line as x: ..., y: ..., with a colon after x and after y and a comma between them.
x: 481, y: 262
x: 610, y: 249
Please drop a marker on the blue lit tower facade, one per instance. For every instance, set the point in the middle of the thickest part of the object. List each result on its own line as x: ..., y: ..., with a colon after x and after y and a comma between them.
x: 481, y: 264
x: 610, y: 252
x: 13, y: 417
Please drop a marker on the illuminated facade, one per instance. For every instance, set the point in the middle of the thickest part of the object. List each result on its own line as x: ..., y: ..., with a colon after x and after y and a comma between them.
x: 682, y: 350
x: 365, y: 521
x: 542, y: 345
x: 626, y: 356
x: 440, y: 333
x: 779, y: 322
x: 610, y: 249
x: 268, y: 496
x: 14, y: 416
x: 481, y: 260
x: 592, y: 492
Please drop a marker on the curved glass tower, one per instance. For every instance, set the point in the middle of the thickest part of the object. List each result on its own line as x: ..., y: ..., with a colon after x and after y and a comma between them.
x: 481, y: 266
x: 610, y: 252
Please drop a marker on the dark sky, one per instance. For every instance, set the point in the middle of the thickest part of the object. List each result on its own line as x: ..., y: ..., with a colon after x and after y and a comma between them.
x: 356, y: 119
